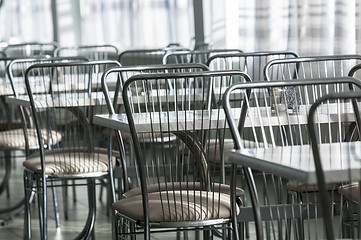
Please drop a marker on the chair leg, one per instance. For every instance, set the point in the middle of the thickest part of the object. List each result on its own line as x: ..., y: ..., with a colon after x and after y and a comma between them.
x: 45, y: 210
x: 207, y: 234
x: 42, y: 206
x: 65, y: 199
x: 27, y: 216
x: 88, y: 230
x: 5, y: 182
x: 92, y: 205
x: 55, y: 203
x: 132, y: 230
x: 74, y: 192
x: 109, y: 195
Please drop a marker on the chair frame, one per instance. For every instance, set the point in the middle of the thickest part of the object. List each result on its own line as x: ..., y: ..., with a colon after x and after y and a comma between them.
x: 30, y: 44
x: 112, y: 49
x: 312, y: 59
x: 41, y: 179
x: 197, y: 53
x: 316, y: 154
x: 138, y: 150
x: 237, y: 128
x: 159, y: 52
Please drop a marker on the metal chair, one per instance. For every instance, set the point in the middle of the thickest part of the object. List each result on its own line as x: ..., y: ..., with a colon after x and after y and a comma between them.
x: 272, y: 118
x: 16, y: 130
x: 137, y: 57
x: 175, y: 186
x: 92, y: 52
x: 63, y: 103
x: 30, y: 49
x: 310, y: 67
x: 112, y: 85
x: 346, y: 154
x: 16, y: 71
x: 8, y: 120
x: 252, y: 63
x: 195, y: 56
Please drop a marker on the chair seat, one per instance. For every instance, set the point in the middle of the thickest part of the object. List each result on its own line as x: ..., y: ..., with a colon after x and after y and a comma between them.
x: 182, y: 206
x: 223, y: 188
x: 68, y: 162
x: 302, y: 187
x: 15, y: 138
x: 350, y: 191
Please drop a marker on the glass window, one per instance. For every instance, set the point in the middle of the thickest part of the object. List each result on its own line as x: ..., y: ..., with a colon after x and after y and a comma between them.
x: 137, y: 23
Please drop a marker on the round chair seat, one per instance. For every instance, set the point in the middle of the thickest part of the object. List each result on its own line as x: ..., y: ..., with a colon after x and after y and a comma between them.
x: 177, y: 206
x: 69, y: 162
x: 15, y: 138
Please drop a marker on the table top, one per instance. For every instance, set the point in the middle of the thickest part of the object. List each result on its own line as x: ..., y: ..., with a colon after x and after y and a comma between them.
x: 339, y: 160
x: 331, y: 112
x: 262, y: 116
x: 172, y: 121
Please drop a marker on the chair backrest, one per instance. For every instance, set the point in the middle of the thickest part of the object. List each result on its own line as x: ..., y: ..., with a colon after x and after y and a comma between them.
x: 9, y: 117
x: 4, y: 77
x: 92, y: 52
x: 344, y: 154
x: 173, y: 149
x: 252, y: 63
x: 114, y: 79
x: 196, y: 56
x: 112, y: 83
x: 267, y: 120
x: 311, y: 67
x: 15, y: 84
x: 66, y: 106
x: 30, y: 49
x: 271, y: 117
x: 141, y: 57
x: 16, y: 69
x: 145, y: 56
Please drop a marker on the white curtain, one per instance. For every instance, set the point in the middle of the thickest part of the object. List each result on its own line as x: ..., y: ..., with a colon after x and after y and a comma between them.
x: 26, y: 21
x: 308, y: 27
x: 137, y: 23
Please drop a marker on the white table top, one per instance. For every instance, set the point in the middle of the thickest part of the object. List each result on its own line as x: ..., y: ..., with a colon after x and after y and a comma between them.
x: 98, y: 98
x: 184, y: 121
x: 261, y: 116
x: 326, y: 113
x: 339, y: 160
